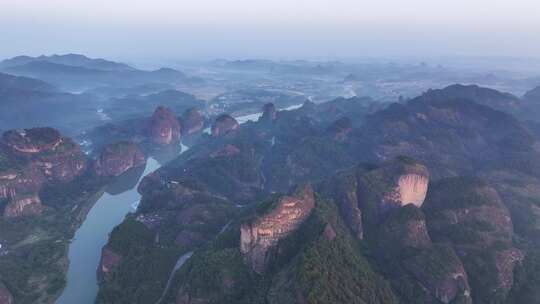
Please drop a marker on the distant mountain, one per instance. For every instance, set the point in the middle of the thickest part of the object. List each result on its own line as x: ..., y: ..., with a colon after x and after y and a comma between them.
x: 27, y: 102
x: 79, y: 73
x: 10, y: 82
x: 75, y: 60
x: 524, y: 109
x: 485, y: 96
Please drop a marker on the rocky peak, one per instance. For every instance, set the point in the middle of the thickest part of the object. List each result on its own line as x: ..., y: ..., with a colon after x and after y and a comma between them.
x: 263, y: 233
x: 192, y: 121
x: 224, y: 125
x: 118, y: 158
x: 403, y: 182
x: 269, y: 112
x: 32, y: 141
x: 164, y: 127
x: 23, y: 205
x: 30, y: 159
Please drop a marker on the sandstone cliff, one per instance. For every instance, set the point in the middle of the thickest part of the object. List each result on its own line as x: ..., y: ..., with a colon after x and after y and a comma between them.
x: 22, y: 205
x: 31, y: 159
x: 164, y: 127
x: 119, y: 157
x: 224, y: 124
x: 394, y: 184
x: 258, y: 236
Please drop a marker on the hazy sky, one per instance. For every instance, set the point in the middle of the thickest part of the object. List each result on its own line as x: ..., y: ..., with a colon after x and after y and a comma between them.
x: 136, y: 29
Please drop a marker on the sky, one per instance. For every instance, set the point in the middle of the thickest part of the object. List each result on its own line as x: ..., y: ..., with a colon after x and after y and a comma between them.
x: 285, y: 29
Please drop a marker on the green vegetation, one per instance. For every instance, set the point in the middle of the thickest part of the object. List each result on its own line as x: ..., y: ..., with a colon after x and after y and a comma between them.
x: 34, y: 268
x: 144, y: 268
x: 305, y: 264
x: 526, y: 281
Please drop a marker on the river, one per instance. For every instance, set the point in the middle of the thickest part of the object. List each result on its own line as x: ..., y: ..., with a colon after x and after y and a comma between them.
x: 85, y: 248
x: 108, y: 212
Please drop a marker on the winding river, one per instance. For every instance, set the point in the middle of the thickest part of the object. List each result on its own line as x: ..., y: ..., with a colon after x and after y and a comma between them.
x: 120, y: 198
x: 85, y: 249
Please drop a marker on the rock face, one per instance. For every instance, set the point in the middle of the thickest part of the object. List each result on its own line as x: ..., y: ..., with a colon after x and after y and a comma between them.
x: 5, y: 295
x: 23, y: 205
x: 399, y: 182
x: 224, y: 124
x: 109, y: 260
x: 269, y: 112
x: 31, y: 141
x: 164, y: 127
x: 411, y: 188
x: 30, y: 159
x: 192, y: 121
x: 119, y: 157
x: 258, y: 236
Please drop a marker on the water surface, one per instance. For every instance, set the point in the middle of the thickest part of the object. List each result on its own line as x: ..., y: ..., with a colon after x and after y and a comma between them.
x: 85, y: 249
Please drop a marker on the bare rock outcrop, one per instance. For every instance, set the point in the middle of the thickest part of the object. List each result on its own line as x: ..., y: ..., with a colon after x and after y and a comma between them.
x: 224, y: 124
x: 31, y: 159
x: 395, y: 184
x: 164, y: 127
x: 57, y: 157
x: 118, y: 158
x: 263, y: 233
x: 31, y: 141
x: 192, y: 121
x: 23, y: 205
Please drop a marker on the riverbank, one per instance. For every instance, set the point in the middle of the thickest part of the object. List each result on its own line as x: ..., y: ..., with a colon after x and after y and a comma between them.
x: 34, y: 261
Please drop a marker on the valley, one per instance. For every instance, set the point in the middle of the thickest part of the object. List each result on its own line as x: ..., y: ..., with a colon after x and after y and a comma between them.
x: 258, y: 181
